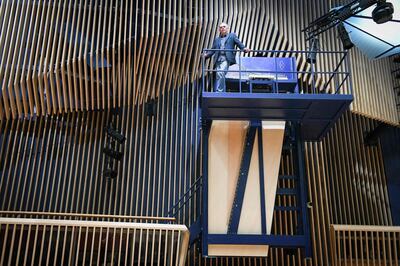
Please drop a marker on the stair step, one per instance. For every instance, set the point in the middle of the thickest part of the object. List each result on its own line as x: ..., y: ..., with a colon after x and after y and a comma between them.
x: 286, y: 191
x: 287, y: 208
x: 288, y: 177
x: 195, y: 231
x: 287, y: 146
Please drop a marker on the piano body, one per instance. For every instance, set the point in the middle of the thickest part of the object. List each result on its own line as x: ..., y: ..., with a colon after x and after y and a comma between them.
x: 263, y: 75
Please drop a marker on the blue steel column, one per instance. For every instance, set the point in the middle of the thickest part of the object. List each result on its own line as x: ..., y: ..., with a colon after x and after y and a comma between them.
x: 206, y: 133
x: 261, y: 173
x: 303, y: 190
x: 237, y: 204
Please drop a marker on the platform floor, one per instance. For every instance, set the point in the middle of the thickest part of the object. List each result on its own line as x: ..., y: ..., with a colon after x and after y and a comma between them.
x: 316, y: 112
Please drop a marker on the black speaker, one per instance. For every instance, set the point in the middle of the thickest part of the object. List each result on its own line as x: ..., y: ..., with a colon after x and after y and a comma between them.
x: 344, y: 37
x: 110, y: 173
x: 150, y: 108
x: 383, y: 12
x: 314, y: 48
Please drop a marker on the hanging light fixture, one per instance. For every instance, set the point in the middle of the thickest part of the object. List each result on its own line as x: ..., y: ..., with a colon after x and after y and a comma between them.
x: 344, y: 37
x: 314, y: 48
x: 383, y: 12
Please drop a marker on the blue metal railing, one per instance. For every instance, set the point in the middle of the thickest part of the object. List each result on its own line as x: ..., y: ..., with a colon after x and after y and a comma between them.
x: 329, y: 72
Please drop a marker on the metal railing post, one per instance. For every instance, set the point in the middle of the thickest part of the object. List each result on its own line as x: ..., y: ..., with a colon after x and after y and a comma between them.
x: 240, y: 72
x: 276, y: 73
x: 202, y: 71
x: 337, y: 75
x: 312, y: 75
x: 348, y: 72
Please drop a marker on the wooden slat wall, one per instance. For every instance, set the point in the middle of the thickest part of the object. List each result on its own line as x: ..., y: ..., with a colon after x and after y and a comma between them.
x: 347, y: 182
x: 66, y: 242
x: 395, y: 69
x: 153, y: 175
x: 365, y: 245
x: 145, y: 49
x: 55, y: 163
x: 92, y: 54
x: 365, y: 198
x: 64, y: 56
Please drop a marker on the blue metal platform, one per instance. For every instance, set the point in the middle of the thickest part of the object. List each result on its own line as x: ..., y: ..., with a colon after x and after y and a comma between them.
x: 316, y: 112
x: 271, y: 87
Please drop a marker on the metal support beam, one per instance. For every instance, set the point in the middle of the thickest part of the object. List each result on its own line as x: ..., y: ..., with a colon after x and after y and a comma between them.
x: 271, y: 240
x: 206, y: 126
x: 304, y: 224
x: 242, y: 180
x: 195, y: 231
x: 262, y: 184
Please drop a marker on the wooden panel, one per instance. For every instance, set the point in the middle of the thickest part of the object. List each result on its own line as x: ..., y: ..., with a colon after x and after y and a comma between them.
x: 272, y: 148
x: 51, y: 241
x: 365, y: 245
x: 225, y: 154
x: 226, y: 144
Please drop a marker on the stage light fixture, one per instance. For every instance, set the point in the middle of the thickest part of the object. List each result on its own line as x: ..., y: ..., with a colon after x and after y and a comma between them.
x: 314, y: 48
x: 115, y: 135
x: 344, y: 37
x: 110, y: 173
x: 363, y: 4
x: 371, y: 138
x: 117, y: 155
x: 383, y: 12
x: 150, y: 108
x: 396, y: 58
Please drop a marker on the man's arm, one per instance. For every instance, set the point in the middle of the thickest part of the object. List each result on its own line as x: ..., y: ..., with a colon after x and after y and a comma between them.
x: 240, y: 44
x: 208, y: 54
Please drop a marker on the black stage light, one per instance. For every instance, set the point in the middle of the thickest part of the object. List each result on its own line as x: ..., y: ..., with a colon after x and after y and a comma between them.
x: 396, y: 58
x: 110, y: 173
x: 366, y: 3
x: 344, y: 37
x: 150, y: 108
x: 117, y: 155
x: 371, y: 138
x: 314, y: 48
x: 383, y: 12
x: 115, y: 135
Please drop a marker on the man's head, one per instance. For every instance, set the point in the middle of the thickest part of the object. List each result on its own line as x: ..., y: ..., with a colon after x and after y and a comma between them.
x: 223, y: 28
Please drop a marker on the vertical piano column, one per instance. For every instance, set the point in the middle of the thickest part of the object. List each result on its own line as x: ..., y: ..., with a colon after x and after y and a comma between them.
x: 225, y: 159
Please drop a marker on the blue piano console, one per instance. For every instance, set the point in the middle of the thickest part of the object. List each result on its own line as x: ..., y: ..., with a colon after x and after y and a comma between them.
x: 263, y: 74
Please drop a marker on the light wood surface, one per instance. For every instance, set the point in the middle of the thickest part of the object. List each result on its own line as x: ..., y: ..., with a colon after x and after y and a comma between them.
x: 364, y: 245
x: 98, y: 241
x: 226, y: 144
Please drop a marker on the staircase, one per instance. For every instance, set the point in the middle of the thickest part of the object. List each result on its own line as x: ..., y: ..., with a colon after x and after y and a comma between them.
x: 293, y: 146
x: 193, y: 193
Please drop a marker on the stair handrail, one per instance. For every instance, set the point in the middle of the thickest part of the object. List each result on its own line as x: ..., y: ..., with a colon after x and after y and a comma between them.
x: 171, y: 212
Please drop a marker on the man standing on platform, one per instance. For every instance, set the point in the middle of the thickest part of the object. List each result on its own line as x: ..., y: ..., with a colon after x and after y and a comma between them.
x: 223, y: 59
